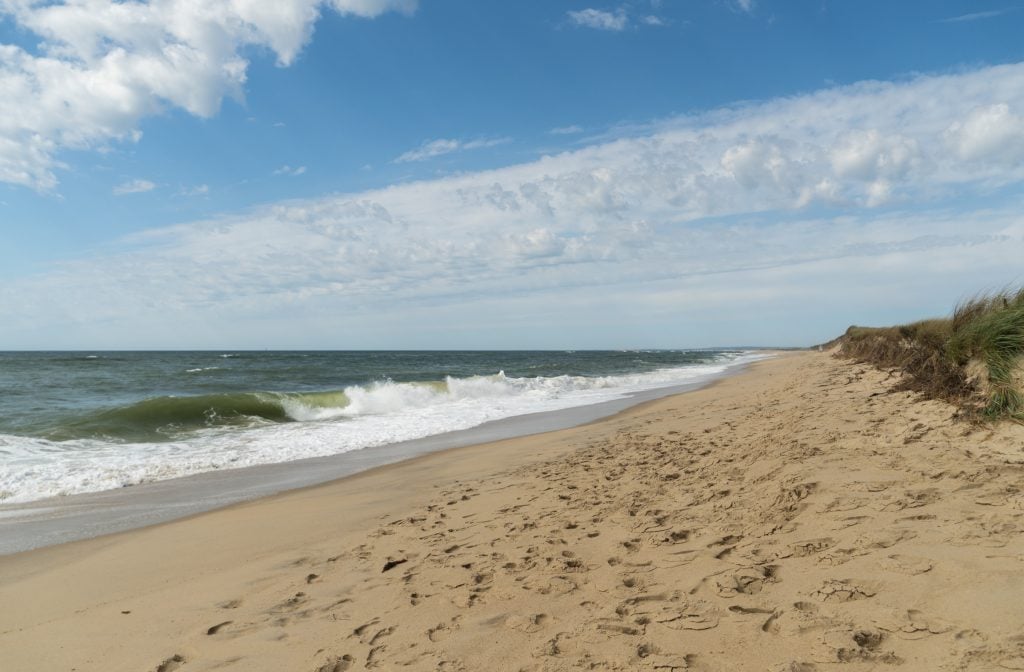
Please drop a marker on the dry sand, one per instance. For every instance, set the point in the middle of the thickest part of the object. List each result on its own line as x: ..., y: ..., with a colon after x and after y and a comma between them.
x: 796, y: 517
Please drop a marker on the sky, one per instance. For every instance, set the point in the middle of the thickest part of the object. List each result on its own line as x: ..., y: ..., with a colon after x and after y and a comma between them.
x: 474, y: 174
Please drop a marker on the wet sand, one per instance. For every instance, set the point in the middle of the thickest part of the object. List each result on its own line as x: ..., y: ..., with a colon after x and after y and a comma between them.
x: 799, y: 516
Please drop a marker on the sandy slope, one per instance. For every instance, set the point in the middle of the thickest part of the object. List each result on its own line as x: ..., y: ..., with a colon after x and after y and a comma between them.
x: 797, y: 517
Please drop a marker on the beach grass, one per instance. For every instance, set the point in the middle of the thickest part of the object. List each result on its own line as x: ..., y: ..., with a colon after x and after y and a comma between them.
x: 975, y: 357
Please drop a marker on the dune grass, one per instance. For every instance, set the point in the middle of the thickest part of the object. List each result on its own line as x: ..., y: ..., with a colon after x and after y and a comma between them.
x: 974, y: 358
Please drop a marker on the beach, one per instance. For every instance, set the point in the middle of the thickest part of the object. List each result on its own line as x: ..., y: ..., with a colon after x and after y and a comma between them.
x: 799, y: 516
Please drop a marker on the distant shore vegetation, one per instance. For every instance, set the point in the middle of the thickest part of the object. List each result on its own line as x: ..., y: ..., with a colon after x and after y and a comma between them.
x: 974, y: 358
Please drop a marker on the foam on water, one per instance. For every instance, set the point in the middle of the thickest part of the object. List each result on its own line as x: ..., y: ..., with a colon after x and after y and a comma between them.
x: 324, y: 424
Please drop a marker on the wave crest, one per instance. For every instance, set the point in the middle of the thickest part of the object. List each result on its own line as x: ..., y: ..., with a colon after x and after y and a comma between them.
x: 166, y: 437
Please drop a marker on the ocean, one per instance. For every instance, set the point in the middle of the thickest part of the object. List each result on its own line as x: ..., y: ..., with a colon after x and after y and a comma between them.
x: 77, y: 422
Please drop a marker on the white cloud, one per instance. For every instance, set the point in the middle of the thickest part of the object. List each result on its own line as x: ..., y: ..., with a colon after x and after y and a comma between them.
x: 434, y: 148
x: 102, y: 66
x: 660, y: 226
x: 868, y: 155
x: 134, y: 187
x: 369, y: 9
x: 197, y: 190
x: 975, y: 16
x: 746, y: 5
x: 566, y: 130
x: 989, y: 133
x: 600, y: 19
x: 288, y: 170
x: 652, y: 20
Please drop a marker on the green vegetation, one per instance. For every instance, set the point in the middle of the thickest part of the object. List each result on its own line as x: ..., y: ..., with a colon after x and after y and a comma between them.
x: 974, y: 358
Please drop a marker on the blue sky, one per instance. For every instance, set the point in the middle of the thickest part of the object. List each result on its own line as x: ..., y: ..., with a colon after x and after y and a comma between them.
x: 394, y: 173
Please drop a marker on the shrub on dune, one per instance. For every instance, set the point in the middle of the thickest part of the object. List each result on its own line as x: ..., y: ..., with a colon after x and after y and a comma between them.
x: 973, y: 358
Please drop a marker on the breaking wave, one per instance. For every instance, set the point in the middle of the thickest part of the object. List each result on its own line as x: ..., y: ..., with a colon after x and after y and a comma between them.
x: 169, y: 436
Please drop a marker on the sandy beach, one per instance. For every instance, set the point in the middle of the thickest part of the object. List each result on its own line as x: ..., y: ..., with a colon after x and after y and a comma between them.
x: 797, y: 517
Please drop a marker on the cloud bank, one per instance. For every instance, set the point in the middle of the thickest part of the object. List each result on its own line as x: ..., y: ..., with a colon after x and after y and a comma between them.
x: 844, y: 192
x: 102, y: 66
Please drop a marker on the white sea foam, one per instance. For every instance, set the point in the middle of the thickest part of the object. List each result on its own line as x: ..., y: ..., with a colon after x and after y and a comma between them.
x: 374, y: 415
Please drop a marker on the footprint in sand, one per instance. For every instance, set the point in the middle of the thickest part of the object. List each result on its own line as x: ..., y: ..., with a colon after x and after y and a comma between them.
x: 562, y: 644
x: 747, y: 581
x: 811, y: 546
x: 769, y: 625
x: 528, y: 624
x: 859, y: 645
x: 338, y: 664
x: 912, y: 499
x: 443, y: 630
x: 364, y: 630
x: 795, y: 666
x: 906, y: 564
x: 630, y: 584
x: 995, y: 497
x: 171, y: 664
x: 883, y: 539
x: 555, y: 585
x: 693, y: 615
x: 613, y: 627
x: 849, y: 521
x: 865, y: 544
x: 803, y: 618
x: 845, y: 590
x: 842, y: 504
x: 916, y: 625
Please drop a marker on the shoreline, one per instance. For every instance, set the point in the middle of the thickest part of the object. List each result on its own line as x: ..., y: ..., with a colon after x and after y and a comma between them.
x: 26, y: 526
x: 794, y: 517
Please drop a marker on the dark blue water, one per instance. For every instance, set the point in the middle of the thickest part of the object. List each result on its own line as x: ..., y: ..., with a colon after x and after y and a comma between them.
x: 85, y: 421
x: 56, y: 394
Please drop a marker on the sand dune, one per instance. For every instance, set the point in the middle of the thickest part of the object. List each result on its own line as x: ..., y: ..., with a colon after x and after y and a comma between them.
x: 797, y: 517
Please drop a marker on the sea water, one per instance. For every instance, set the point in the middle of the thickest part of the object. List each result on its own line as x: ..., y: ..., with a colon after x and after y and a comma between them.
x: 75, y: 422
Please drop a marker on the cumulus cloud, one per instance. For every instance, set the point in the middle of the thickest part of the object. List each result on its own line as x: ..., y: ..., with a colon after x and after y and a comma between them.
x: 434, y: 148
x: 290, y: 171
x: 599, y: 19
x: 101, y: 66
x: 989, y: 133
x: 868, y: 155
x: 686, y: 212
x: 133, y: 187
x: 197, y: 190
